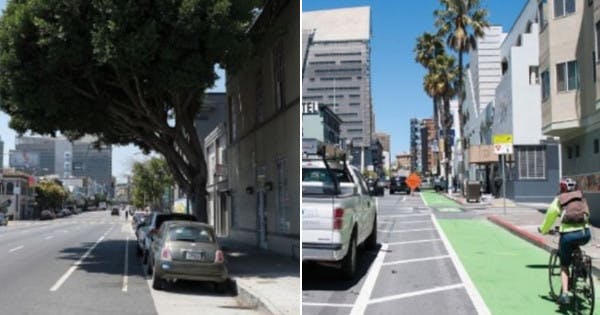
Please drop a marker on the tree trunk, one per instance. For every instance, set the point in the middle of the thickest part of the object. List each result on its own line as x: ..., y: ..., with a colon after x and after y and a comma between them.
x: 461, y: 98
x: 447, y: 120
x: 437, y: 129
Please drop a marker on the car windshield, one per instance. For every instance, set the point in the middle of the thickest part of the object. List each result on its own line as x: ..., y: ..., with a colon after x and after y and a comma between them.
x: 317, y: 181
x: 172, y: 217
x: 191, y: 234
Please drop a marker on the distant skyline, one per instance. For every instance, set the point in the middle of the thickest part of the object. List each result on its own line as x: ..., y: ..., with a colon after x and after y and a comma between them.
x: 396, y: 78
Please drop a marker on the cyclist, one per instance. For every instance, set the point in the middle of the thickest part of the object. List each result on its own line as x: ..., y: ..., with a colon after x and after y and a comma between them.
x: 574, y: 228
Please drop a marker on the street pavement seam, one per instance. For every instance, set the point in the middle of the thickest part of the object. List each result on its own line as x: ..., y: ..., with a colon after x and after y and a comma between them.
x: 472, y: 291
x: 125, y: 272
x: 417, y: 293
x: 413, y: 221
x: 408, y: 261
x: 72, y: 269
x: 405, y: 231
x: 416, y: 241
x: 403, y: 215
x: 362, y: 301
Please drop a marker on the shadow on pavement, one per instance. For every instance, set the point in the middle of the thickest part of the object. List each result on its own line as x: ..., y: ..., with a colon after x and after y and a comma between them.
x: 327, y: 278
x: 537, y: 266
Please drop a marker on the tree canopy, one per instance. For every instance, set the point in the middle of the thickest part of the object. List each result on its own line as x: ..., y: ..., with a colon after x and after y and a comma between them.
x: 49, y: 195
x: 124, y: 71
x: 149, y: 181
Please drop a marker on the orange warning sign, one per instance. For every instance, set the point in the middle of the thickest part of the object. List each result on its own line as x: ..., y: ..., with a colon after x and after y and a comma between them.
x: 413, y: 181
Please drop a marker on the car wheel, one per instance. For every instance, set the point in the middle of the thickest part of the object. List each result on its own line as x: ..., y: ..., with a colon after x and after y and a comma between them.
x: 371, y: 242
x: 138, y: 250
x: 144, y: 257
x: 150, y: 265
x: 220, y: 287
x: 348, y: 265
x: 157, y: 282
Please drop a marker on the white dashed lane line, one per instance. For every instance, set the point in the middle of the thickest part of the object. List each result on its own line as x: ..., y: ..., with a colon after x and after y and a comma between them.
x: 15, y: 249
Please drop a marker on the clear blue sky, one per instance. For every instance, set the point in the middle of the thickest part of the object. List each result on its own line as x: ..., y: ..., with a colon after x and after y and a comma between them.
x: 122, y: 157
x: 396, y: 79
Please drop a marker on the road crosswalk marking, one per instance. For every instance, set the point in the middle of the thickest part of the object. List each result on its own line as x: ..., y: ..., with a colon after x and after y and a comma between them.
x: 407, y: 261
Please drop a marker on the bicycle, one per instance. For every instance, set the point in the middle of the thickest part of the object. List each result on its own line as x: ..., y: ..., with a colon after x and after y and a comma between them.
x: 581, y: 280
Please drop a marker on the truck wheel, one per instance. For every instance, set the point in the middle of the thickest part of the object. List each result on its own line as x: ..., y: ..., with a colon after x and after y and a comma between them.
x: 349, y: 262
x: 371, y: 242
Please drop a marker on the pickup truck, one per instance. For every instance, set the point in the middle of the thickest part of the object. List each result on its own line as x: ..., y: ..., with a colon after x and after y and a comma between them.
x: 338, y: 214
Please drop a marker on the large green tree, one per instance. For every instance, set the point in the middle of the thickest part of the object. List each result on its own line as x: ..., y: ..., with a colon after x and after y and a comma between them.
x: 124, y: 71
x: 150, y: 179
x: 50, y: 195
x: 461, y: 22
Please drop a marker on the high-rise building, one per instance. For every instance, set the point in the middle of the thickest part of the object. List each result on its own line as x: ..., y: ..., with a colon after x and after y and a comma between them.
x: 34, y: 155
x: 2, y: 152
x: 384, y: 139
x: 415, y: 146
x: 337, y: 72
x: 92, y: 162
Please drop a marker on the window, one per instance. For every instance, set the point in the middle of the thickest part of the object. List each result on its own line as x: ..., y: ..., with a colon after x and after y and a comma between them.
x: 567, y: 76
x: 594, y: 65
x: 598, y: 36
x: 282, y: 196
x: 351, y: 61
x: 541, y: 17
x: 10, y: 188
x: 533, y: 75
x: 279, y: 74
x: 532, y: 162
x: 563, y: 7
x: 569, y: 153
x: 596, y: 146
x: 545, y: 85
x: 577, y: 151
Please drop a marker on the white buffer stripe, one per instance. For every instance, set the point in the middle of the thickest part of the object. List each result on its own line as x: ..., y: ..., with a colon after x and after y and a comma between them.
x: 416, y: 293
x: 403, y: 215
x: 476, y: 298
x: 16, y: 249
x: 414, y: 221
x: 125, y: 276
x: 326, y: 305
x: 406, y: 231
x: 407, y: 261
x: 415, y: 242
x: 67, y: 274
x: 48, y: 237
x: 360, y: 305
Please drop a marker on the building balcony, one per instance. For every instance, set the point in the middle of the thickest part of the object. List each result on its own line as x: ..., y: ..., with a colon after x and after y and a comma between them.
x: 561, y: 116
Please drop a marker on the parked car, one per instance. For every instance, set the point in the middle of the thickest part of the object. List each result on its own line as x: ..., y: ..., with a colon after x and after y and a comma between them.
x: 65, y: 212
x: 376, y: 187
x: 426, y: 183
x: 439, y: 184
x: 47, y: 215
x: 338, y: 213
x: 114, y: 211
x: 137, y: 218
x: 398, y: 183
x: 3, y: 219
x: 155, y: 221
x: 188, y: 251
x: 140, y: 233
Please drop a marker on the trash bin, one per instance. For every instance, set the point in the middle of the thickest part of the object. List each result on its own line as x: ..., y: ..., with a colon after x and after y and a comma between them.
x: 473, y: 191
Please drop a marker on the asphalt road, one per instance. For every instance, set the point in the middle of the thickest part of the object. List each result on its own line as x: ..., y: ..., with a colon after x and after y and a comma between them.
x: 415, y: 270
x: 86, y: 264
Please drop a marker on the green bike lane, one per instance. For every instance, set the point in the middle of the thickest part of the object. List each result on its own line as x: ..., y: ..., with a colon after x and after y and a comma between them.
x: 439, y: 202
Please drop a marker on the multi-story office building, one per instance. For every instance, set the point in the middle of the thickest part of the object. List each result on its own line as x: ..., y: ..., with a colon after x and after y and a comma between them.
x: 337, y: 72
x: 34, y: 155
x: 403, y: 161
x: 89, y: 161
x: 319, y: 125
x: 568, y: 64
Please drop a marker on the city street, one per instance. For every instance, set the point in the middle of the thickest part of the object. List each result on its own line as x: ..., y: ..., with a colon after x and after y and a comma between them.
x: 86, y: 264
x: 414, y: 266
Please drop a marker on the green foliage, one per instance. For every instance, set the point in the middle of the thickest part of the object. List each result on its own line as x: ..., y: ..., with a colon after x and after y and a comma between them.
x: 50, y: 195
x: 149, y: 181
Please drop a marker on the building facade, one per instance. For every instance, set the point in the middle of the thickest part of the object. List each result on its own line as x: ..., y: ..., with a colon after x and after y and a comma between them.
x: 320, y: 123
x: 17, y: 188
x: 568, y: 65
x: 337, y: 72
x: 415, y: 146
x: 217, y: 186
x: 264, y: 151
x: 404, y: 161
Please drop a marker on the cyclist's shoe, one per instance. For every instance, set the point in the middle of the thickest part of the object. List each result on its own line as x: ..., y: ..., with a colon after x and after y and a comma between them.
x: 564, y: 299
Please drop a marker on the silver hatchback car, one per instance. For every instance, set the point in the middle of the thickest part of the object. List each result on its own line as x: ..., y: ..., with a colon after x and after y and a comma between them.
x: 188, y: 251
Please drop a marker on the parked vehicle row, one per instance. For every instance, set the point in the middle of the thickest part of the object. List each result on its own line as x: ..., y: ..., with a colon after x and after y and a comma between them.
x: 175, y: 246
x: 62, y: 213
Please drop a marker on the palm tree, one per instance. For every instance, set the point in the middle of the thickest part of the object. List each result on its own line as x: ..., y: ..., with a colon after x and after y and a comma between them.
x: 462, y: 22
x: 441, y: 84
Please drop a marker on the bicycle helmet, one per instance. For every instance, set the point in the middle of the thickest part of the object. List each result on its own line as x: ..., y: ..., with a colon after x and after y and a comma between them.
x: 567, y: 185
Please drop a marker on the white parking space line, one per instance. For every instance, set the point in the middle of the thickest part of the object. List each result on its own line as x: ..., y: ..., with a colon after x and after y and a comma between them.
x: 48, y: 237
x: 362, y: 300
x: 405, y: 231
x: 403, y: 215
x: 326, y: 304
x: 404, y: 199
x: 408, y: 261
x: 476, y: 298
x: 416, y: 241
x: 414, y: 221
x: 416, y: 293
x: 15, y: 249
x: 125, y: 273
x: 67, y: 274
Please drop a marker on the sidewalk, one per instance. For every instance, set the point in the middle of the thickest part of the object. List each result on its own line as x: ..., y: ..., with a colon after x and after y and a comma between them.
x: 524, y: 220
x: 264, y: 280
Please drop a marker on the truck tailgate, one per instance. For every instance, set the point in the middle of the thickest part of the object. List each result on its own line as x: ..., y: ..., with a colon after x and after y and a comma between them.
x: 317, y: 220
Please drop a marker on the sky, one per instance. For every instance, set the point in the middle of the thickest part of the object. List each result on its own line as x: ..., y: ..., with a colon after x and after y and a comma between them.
x: 123, y: 157
x: 396, y: 80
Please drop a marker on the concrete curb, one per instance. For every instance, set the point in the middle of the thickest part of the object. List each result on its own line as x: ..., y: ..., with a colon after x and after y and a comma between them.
x: 248, y: 298
x: 529, y: 237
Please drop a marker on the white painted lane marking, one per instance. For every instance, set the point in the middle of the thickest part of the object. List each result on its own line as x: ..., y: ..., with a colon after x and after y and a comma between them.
x: 423, y: 199
x: 48, y: 237
x: 476, y: 298
x: 360, y: 305
x: 416, y: 293
x: 67, y: 274
x: 405, y: 231
x: 15, y: 249
x: 414, y: 221
x: 415, y: 242
x: 408, y: 261
x: 125, y: 273
x: 326, y: 304
x: 404, y: 199
x: 403, y: 215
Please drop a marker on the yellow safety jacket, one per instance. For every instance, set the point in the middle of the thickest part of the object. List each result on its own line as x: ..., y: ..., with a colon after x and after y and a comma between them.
x: 554, y: 212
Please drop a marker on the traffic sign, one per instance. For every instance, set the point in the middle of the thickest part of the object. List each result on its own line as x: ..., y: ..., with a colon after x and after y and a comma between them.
x: 503, y: 139
x: 506, y: 148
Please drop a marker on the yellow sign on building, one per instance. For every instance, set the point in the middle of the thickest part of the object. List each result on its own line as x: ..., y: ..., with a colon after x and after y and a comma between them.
x: 503, y: 139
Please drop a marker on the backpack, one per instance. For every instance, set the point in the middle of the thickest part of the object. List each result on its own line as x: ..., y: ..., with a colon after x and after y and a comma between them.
x: 574, y: 207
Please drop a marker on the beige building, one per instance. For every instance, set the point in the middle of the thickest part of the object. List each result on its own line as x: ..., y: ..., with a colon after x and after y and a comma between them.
x: 264, y: 128
x: 403, y: 161
x: 569, y: 44
x: 16, y: 187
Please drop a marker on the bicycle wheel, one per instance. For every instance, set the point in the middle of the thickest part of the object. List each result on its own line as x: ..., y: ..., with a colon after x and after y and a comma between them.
x: 554, y: 275
x: 583, y: 290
